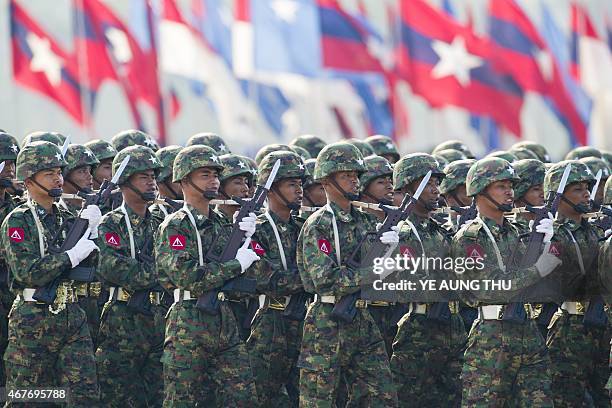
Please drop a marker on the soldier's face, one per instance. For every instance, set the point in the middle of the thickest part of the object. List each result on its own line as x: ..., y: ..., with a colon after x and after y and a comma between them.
x: 460, y: 194
x: 577, y: 193
x: 501, y: 192
x: 381, y: 188
x: 104, y: 171
x: 9, y: 170
x: 80, y: 176
x: 398, y: 196
x: 144, y: 181
x: 430, y: 194
x: 316, y: 193
x: 236, y: 187
x: 205, y: 178
x: 535, y: 195
x: 348, y: 181
x: 49, y: 179
x: 291, y: 189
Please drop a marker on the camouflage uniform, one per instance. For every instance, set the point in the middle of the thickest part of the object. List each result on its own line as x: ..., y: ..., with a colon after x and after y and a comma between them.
x: 384, y: 146
x: 204, y: 357
x: 130, y: 341
x: 211, y: 140
x: 306, y: 212
x: 166, y: 156
x: 579, y: 351
x: 536, y: 148
x: 131, y: 137
x: 605, y: 260
x: 104, y: 151
x: 505, y: 362
x: 274, y: 343
x: 454, y: 144
x: 48, y: 345
x: 427, y: 351
x: 312, y: 143
x: 330, y: 351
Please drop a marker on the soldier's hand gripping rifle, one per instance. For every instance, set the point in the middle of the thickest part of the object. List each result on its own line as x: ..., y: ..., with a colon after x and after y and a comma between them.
x: 344, y: 310
x: 78, y: 227
x: 465, y: 213
x: 209, y: 302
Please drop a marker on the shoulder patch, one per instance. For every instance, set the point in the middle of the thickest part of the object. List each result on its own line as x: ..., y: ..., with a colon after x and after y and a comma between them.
x: 112, y: 239
x: 16, y: 234
x: 177, y: 242
x: 324, y: 246
x: 257, y: 248
x: 474, y: 251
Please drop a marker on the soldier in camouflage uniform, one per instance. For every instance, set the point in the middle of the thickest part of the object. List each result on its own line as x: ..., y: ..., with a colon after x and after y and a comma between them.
x: 522, y: 153
x: 452, y: 188
x: 594, y: 164
x: 578, y: 345
x: 331, y: 351
x: 204, y: 358
x: 314, y: 194
x: 604, y: 265
x: 503, y: 154
x: 535, y: 148
x: 168, y: 191
x: 300, y: 151
x: 48, y: 345
x: 312, y: 143
x: 582, y: 152
x: 274, y: 343
x: 450, y: 155
x: 9, y: 148
x: 384, y: 146
x: 52, y: 137
x: 428, y: 348
x: 105, y: 153
x: 365, y: 149
x: 454, y: 144
x: 131, y: 334
x: 506, y: 360
x: 211, y: 140
x: 265, y: 150
x: 131, y: 137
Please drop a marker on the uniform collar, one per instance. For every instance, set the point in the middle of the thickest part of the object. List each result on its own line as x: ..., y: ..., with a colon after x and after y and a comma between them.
x: 136, y: 219
x: 280, y: 222
x: 340, y: 214
x: 420, y: 221
x: 495, y: 228
x: 202, y: 219
x: 569, y: 223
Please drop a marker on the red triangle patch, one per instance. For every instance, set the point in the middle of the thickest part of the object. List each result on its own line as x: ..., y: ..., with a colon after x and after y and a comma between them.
x: 16, y: 234
x: 257, y: 248
x: 112, y: 239
x: 407, y: 251
x: 474, y: 251
x: 554, y: 249
x: 324, y: 246
x: 177, y: 242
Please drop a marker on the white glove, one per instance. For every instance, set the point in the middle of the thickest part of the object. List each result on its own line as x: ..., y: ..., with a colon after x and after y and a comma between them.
x: 247, y: 224
x: 246, y: 257
x: 81, y: 250
x: 390, y: 237
x: 608, y: 233
x: 93, y: 215
x: 547, y: 262
x: 546, y: 227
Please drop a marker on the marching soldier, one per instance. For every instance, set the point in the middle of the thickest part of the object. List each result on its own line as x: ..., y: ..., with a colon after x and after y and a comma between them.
x: 331, y: 350
x: 365, y: 149
x: 211, y: 140
x: 38, y: 136
x: 605, y: 265
x: 450, y: 155
x: 452, y: 188
x: 454, y: 144
x: 383, y: 146
x: 131, y: 137
x: 131, y: 328
x: 269, y: 148
x: 313, y: 144
x: 313, y: 192
x: 276, y: 334
x: 300, y: 151
x: 430, y: 341
x: 536, y: 148
x: 49, y: 345
x: 506, y: 361
x: 169, y: 192
x: 204, y: 358
x: 105, y: 153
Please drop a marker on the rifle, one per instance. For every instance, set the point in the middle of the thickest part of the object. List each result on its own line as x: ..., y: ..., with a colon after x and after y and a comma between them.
x: 209, y: 301
x: 78, y: 227
x: 174, y: 204
x: 595, y: 206
x: 466, y: 213
x: 534, y: 245
x: 345, y: 309
x: 605, y: 221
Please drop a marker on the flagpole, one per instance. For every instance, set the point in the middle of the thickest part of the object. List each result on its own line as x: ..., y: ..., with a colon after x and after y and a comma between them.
x: 83, y: 69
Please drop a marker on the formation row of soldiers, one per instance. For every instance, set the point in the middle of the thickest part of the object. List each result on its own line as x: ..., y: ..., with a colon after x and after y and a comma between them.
x: 161, y: 232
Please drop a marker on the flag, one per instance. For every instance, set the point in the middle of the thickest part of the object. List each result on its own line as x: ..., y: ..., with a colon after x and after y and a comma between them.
x: 448, y: 64
x: 175, y: 104
x: 270, y: 100
x: 40, y: 64
x: 524, y: 55
x: 213, y: 20
x: 344, y: 40
x: 375, y: 94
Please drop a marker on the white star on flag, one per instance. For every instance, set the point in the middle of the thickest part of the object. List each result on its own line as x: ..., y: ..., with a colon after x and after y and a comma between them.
x: 455, y: 60
x: 545, y: 64
x: 121, y: 46
x: 285, y: 9
x: 44, y: 59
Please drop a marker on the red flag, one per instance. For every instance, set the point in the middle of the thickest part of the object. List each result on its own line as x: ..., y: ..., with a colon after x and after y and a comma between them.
x: 41, y: 64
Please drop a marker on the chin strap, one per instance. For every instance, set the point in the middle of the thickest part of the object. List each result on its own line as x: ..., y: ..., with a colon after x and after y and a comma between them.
x: 579, y: 208
x: 348, y: 196
x: 290, y: 204
x: 501, y: 207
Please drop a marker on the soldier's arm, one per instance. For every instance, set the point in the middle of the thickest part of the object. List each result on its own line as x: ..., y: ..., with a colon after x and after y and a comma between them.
x: 321, y: 268
x: 605, y: 269
x: 21, y: 248
x: 115, y: 263
x: 181, y: 265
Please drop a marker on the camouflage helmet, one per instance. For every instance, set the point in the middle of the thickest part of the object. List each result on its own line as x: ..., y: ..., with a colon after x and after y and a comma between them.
x: 504, y: 154
x: 607, y: 156
x: 531, y: 173
x: 308, y: 178
x: 234, y: 165
x: 441, y: 160
x: 595, y: 165
x: 212, y: 140
x: 336, y: 157
x: 252, y: 167
x: 582, y: 152
x: 166, y: 156
x: 456, y: 173
x: 53, y: 137
x: 141, y: 159
x: 37, y: 156
x: 291, y: 166
x: 487, y: 171
x: 78, y: 155
x: 303, y: 153
x: 534, y: 147
x: 365, y: 149
x: 192, y: 158
x: 132, y: 137
x: 9, y: 147
x: 522, y: 153
x: 383, y: 145
x: 312, y: 143
x: 376, y: 166
x: 608, y: 192
x: 580, y: 173
x: 265, y: 150
x: 454, y: 144
x: 101, y: 149
x: 414, y: 166
x: 450, y: 155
